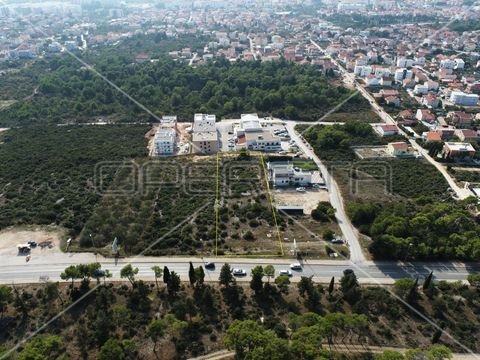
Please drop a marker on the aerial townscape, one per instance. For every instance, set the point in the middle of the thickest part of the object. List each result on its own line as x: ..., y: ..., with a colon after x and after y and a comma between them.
x: 245, y: 179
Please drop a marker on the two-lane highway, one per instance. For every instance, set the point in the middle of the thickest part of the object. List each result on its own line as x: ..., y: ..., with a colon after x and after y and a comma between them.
x: 368, y: 272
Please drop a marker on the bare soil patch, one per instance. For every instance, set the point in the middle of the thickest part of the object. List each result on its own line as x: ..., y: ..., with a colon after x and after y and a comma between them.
x: 10, y: 238
x: 309, y: 199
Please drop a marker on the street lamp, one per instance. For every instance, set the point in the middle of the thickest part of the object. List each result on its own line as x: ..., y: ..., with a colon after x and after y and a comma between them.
x: 93, y: 243
x: 408, y: 249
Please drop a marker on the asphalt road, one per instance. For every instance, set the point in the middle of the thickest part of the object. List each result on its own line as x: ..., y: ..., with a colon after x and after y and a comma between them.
x: 321, y: 270
x: 349, y: 232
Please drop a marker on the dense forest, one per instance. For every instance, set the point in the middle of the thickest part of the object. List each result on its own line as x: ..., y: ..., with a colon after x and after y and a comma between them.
x: 265, y: 319
x: 70, y: 92
x: 416, y: 217
x: 420, y: 229
x: 461, y: 26
x: 48, y: 172
x: 359, y: 21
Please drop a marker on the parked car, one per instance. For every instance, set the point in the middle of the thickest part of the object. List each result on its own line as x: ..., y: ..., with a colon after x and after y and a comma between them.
x: 337, y: 241
x: 239, y: 272
x: 285, y: 273
x: 99, y: 273
x: 209, y: 265
x: 32, y: 243
x: 301, y: 189
x: 296, y: 266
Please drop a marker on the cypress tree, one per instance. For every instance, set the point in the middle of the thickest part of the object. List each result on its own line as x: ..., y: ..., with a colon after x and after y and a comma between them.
x: 166, y: 275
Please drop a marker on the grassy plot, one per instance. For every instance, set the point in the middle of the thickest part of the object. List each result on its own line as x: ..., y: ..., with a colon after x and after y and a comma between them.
x: 171, y: 192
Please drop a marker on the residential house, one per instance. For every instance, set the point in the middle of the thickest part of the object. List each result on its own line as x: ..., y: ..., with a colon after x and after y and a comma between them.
x: 372, y: 80
x: 286, y: 174
x: 385, y: 130
x: 460, y: 119
x: 425, y: 115
x: 432, y: 85
x: 466, y: 134
x: 432, y: 136
x: 398, y: 149
x: 446, y: 134
x: 386, y: 81
x: 458, y: 150
x: 430, y: 100
x: 406, y: 117
x: 392, y: 100
x: 142, y: 58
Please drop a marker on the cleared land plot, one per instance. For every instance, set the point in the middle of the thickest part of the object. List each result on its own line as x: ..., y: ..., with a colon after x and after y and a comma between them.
x: 309, y: 199
x: 10, y: 238
x: 372, y: 152
x: 6, y: 103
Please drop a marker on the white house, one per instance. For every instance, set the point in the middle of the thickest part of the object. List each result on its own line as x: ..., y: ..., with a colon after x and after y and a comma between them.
x: 398, y: 149
x: 459, y: 63
x: 385, y: 130
x: 285, y: 174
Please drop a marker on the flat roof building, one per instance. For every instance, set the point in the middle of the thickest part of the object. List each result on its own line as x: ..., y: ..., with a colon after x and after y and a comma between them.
x: 285, y: 174
x: 165, y: 141
x: 204, y: 137
x: 458, y: 150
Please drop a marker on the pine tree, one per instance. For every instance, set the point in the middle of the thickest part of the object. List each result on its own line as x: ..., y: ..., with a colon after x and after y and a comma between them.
x: 226, y: 278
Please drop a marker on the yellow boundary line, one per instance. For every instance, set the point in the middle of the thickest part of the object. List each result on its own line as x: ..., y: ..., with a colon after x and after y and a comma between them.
x: 272, y: 206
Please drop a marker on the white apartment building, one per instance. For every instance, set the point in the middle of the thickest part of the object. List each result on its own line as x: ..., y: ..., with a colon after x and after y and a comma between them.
x: 204, y: 137
x: 421, y: 89
x: 165, y: 141
x: 362, y: 71
x: 404, y: 62
x: 402, y: 74
x: 447, y: 64
x: 461, y: 98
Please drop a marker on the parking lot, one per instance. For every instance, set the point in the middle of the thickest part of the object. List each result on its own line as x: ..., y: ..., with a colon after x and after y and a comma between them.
x: 225, y: 133
x: 226, y: 137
